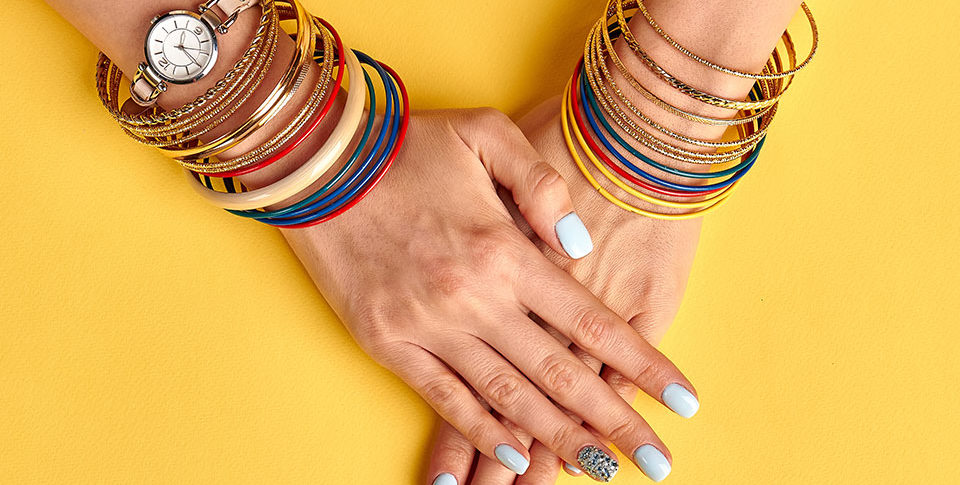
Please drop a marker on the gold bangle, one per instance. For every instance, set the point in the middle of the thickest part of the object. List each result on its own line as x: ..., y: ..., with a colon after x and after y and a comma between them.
x: 106, y: 75
x: 198, y: 123
x: 733, y: 72
x: 677, y: 84
x: 275, y: 101
x: 303, y: 116
x: 312, y: 169
x: 566, y: 123
x: 593, y: 59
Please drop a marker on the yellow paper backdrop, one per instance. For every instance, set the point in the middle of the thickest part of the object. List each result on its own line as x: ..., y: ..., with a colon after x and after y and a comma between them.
x: 820, y: 325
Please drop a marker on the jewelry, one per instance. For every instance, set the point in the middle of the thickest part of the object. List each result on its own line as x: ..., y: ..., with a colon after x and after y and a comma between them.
x: 181, y: 39
x: 270, y: 106
x: 310, y: 171
x: 733, y: 72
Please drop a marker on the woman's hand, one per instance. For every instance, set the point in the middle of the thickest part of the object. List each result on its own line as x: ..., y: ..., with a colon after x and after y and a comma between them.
x: 435, y: 281
x: 639, y: 271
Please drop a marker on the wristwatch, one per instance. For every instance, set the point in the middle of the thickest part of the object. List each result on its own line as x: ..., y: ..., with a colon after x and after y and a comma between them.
x: 181, y: 47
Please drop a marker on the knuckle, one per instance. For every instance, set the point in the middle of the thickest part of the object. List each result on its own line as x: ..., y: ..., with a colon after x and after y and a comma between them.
x: 490, y: 116
x: 563, y: 437
x: 446, y: 277
x: 441, y: 392
x: 543, y: 180
x: 503, y: 389
x: 621, y: 385
x: 592, y: 329
x: 451, y: 453
x: 559, y: 375
x: 493, y: 250
x: 625, y: 432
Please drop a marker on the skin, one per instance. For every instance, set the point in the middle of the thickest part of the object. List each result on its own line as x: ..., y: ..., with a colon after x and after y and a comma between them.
x: 645, y: 287
x: 431, y: 275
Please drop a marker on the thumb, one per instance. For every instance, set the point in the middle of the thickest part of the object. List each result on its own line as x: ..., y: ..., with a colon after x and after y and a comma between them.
x: 540, y: 192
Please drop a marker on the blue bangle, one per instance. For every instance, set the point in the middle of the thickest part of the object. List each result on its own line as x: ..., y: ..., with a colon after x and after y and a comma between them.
x: 587, y: 96
x: 321, y: 204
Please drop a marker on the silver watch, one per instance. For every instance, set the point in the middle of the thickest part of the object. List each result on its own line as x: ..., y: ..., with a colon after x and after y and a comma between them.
x: 181, y: 48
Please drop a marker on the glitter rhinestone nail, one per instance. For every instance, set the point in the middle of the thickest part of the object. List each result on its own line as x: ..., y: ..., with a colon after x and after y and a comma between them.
x: 596, y: 463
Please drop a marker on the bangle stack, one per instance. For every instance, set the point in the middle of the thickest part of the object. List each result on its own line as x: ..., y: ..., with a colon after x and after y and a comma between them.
x: 594, y: 102
x: 177, y: 132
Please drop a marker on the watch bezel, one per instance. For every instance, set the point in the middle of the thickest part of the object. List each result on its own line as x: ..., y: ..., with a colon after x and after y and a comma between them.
x: 215, y: 49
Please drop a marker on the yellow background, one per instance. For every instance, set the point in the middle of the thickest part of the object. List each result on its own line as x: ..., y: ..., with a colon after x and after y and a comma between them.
x: 820, y: 325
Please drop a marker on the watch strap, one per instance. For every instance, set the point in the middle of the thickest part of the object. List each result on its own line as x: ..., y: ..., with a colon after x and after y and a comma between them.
x: 146, y: 86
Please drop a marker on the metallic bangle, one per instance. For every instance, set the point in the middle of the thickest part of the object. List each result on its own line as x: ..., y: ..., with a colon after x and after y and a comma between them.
x: 313, y: 168
x: 275, y: 101
x: 594, y: 59
x: 107, y: 72
x: 213, y: 167
x: 565, y: 121
x: 733, y: 72
x: 677, y: 84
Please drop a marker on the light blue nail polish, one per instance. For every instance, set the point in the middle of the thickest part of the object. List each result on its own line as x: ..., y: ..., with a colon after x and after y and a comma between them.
x: 574, y: 236
x: 445, y: 479
x: 680, y: 400
x: 572, y: 469
x: 511, y: 459
x: 652, y: 462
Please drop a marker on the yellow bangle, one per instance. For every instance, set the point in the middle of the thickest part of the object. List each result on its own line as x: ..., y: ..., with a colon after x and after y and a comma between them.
x: 310, y: 171
x: 707, y: 205
x: 275, y: 101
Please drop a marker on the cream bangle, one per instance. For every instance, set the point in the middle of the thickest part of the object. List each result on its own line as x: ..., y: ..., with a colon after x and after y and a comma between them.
x: 313, y: 168
x: 275, y: 101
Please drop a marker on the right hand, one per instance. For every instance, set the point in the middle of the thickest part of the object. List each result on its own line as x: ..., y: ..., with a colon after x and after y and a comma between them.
x: 433, y: 279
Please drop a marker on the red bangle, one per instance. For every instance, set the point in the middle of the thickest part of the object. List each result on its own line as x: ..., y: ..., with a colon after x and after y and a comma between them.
x: 309, y: 130
x: 393, y: 156
x: 578, y: 116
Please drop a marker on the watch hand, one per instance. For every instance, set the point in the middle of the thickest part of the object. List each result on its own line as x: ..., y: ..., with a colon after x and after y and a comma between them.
x: 181, y: 37
x: 191, y: 57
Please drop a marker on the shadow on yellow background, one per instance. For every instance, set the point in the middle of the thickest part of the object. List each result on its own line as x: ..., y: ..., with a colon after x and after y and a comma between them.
x: 820, y: 325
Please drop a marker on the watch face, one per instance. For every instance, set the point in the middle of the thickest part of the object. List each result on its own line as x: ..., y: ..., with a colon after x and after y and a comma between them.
x: 181, y: 47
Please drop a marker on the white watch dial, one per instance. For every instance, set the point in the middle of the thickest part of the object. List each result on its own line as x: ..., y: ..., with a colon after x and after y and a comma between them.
x: 181, y: 47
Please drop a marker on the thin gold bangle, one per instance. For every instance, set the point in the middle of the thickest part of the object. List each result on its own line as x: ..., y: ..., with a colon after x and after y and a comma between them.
x: 163, y: 117
x: 677, y: 84
x: 312, y: 169
x: 274, y: 102
x: 289, y: 131
x: 733, y: 72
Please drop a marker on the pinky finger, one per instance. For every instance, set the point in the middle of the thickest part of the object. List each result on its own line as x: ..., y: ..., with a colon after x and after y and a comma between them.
x: 451, y: 458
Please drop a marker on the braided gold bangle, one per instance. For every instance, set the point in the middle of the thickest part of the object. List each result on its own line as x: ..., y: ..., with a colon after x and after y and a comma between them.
x: 620, y: 18
x: 108, y: 74
x: 290, y: 130
x: 733, y: 72
x: 594, y: 63
x: 275, y: 101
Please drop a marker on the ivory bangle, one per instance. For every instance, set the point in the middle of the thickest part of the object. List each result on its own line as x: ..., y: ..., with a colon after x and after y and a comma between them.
x: 313, y: 168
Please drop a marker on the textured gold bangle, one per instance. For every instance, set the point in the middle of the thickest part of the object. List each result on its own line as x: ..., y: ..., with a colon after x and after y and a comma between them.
x: 707, y: 120
x: 275, y: 101
x: 290, y: 130
x: 733, y: 72
x: 594, y: 64
x: 200, y: 122
x: 677, y: 84
x: 106, y: 74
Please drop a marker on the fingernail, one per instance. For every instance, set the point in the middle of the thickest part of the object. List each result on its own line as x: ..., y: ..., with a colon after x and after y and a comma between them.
x: 652, y: 462
x: 445, y: 479
x: 572, y: 469
x: 574, y: 236
x: 680, y: 400
x: 511, y: 459
x: 597, y: 463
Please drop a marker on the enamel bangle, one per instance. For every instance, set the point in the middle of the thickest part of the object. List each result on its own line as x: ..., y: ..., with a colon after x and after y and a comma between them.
x: 310, y: 171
